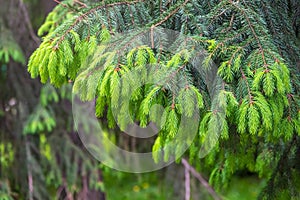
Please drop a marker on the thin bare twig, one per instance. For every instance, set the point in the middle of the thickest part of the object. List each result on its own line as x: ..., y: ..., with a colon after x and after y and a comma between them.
x: 58, y: 2
x: 29, y: 172
x: 28, y: 23
x: 187, y: 184
x: 200, y: 179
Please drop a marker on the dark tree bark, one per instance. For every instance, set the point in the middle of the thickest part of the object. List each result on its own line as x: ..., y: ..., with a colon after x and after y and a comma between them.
x: 23, y: 89
x: 18, y: 85
x: 48, y: 5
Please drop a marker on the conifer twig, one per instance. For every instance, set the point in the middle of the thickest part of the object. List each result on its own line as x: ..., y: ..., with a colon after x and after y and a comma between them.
x: 58, y: 2
x: 253, y: 32
x: 171, y: 14
x: 81, y: 17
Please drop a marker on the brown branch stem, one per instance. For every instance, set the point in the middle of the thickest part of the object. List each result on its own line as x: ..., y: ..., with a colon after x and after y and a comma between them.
x: 81, y: 17
x: 199, y: 177
x: 171, y: 14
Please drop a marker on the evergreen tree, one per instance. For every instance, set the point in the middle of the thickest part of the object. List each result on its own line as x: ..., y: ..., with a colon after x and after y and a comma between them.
x: 255, y: 45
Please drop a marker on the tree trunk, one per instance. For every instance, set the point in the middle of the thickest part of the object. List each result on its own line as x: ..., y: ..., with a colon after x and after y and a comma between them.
x: 19, y: 86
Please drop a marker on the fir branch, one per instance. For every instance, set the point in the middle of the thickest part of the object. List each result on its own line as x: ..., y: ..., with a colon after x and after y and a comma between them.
x: 83, y: 5
x: 84, y: 15
x: 282, y: 162
x: 60, y: 3
x: 248, y: 87
x: 171, y: 14
x: 131, y: 14
x: 253, y: 31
